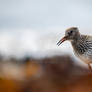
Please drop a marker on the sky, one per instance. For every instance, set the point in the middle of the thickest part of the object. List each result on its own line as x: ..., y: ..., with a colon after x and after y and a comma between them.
x: 45, y: 13
x: 35, y: 26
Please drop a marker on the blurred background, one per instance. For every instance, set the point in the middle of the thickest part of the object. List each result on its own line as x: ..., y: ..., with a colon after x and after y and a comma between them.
x: 30, y: 60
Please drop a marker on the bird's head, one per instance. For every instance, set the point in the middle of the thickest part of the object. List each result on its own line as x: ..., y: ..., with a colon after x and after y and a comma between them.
x: 71, y: 34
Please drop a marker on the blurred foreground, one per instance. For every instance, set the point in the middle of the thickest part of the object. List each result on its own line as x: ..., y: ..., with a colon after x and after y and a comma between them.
x: 52, y: 74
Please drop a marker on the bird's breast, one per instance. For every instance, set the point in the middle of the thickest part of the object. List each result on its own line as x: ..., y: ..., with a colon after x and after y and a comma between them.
x: 83, y: 50
x: 80, y: 48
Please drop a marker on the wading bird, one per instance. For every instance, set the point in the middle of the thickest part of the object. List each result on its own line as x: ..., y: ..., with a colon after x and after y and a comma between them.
x: 82, y: 44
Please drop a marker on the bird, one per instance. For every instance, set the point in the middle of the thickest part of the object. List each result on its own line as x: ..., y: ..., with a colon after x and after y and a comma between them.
x: 82, y: 44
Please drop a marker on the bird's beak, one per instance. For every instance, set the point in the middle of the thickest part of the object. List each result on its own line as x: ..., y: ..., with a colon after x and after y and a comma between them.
x: 62, y: 40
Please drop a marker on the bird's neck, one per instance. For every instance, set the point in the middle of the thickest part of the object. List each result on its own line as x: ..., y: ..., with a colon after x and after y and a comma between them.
x: 76, y: 39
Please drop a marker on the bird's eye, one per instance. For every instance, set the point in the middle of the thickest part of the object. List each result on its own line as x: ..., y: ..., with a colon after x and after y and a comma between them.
x: 69, y: 33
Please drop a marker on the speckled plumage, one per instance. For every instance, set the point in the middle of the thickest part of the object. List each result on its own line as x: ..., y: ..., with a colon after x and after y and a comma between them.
x: 82, y: 44
x: 83, y: 48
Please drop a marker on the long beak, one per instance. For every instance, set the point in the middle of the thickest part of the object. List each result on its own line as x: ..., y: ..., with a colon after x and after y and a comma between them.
x: 61, y: 41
